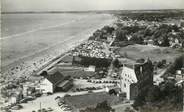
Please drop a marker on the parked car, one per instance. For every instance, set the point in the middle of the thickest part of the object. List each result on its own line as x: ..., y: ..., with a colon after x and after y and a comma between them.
x: 17, y: 107
x: 49, y: 93
x: 49, y: 109
x: 23, y: 101
x: 60, y: 104
x: 38, y: 94
x: 58, y: 97
x: 67, y: 109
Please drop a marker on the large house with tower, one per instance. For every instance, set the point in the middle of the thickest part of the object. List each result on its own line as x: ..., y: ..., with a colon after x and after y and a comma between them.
x: 136, y: 78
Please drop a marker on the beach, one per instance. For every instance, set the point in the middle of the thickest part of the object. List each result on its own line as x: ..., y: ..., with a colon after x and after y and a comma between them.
x: 31, y: 48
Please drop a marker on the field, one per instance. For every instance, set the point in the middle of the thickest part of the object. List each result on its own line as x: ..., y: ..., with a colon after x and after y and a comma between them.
x: 153, y: 52
x: 82, y: 101
x: 27, y: 37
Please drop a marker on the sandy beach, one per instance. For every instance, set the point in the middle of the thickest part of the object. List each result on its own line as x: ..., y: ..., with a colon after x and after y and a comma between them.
x: 26, y: 52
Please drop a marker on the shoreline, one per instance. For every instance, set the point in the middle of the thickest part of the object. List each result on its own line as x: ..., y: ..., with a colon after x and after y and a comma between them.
x: 58, y: 53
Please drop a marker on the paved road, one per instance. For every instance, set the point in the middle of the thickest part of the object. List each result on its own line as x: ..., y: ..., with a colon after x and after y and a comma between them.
x: 48, y: 101
x: 122, y: 107
x: 157, y: 78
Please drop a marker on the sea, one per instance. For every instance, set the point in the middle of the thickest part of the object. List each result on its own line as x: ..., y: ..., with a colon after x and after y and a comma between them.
x: 30, y: 37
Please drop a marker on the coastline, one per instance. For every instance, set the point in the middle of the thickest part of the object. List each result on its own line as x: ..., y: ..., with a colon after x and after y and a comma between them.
x: 56, y: 52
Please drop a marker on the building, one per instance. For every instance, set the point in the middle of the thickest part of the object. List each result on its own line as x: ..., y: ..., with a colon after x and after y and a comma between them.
x: 16, y: 97
x: 91, y: 68
x: 180, y: 75
x: 55, y: 82
x: 136, y: 78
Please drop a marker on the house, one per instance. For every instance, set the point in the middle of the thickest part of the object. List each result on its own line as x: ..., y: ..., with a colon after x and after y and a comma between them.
x: 55, y: 82
x: 91, y: 68
x: 136, y: 78
x: 128, y: 77
x: 150, y: 42
x: 16, y: 97
x: 179, y: 75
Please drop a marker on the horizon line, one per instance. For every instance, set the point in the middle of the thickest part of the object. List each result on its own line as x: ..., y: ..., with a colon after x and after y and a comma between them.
x: 57, y: 11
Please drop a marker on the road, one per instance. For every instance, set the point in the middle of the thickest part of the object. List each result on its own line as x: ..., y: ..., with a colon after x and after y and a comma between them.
x: 157, y: 78
x: 122, y: 107
x: 48, y: 101
x: 50, y: 64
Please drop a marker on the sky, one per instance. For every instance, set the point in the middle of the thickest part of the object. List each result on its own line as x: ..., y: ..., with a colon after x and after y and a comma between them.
x: 83, y: 5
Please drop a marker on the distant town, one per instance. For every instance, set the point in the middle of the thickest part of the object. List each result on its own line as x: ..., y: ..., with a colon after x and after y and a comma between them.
x: 135, y: 64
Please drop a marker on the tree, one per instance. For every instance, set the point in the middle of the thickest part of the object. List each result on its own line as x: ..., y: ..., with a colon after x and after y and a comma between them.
x: 154, y: 94
x: 137, y: 38
x: 108, y: 29
x: 178, y: 64
x: 116, y: 63
x: 112, y: 91
x: 44, y: 73
x: 121, y: 35
x: 101, y: 107
x: 128, y: 110
x: 165, y: 41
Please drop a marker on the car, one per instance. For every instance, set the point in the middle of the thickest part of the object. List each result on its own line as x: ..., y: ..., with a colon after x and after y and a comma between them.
x: 66, y: 106
x: 63, y: 105
x: 67, y: 109
x: 60, y: 104
x: 38, y: 95
x: 58, y: 97
x: 29, y: 99
x: 23, y: 101
x: 39, y: 110
x: 43, y: 110
x: 49, y: 93
x: 49, y: 109
x: 17, y: 107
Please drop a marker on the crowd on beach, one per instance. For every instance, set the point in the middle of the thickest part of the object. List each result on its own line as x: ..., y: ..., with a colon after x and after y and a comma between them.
x: 24, y: 68
x: 91, y: 49
x: 31, y: 66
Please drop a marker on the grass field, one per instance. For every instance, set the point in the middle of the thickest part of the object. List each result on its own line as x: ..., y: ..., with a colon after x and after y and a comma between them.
x: 82, y: 101
x: 153, y: 52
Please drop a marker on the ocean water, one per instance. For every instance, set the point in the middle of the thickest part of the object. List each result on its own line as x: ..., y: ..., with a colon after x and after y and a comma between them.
x: 28, y: 35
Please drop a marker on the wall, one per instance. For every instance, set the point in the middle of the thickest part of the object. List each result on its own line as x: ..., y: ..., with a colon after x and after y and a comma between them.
x: 46, y: 86
x: 128, y: 77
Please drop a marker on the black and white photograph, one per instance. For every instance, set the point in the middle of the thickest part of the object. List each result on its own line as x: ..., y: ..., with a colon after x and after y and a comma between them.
x: 92, y: 56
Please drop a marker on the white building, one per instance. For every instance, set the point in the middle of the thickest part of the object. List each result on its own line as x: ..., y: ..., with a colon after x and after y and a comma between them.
x: 136, y: 78
x: 53, y: 82
x: 46, y: 86
x: 128, y: 77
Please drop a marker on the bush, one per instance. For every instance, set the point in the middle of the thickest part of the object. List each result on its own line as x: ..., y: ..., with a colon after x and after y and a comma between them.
x: 67, y: 95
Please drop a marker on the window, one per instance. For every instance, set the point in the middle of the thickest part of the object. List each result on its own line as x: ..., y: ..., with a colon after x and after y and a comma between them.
x: 124, y: 85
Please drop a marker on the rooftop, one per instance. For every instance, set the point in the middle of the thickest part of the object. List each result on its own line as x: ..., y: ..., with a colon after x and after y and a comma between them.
x: 55, y: 78
x: 73, y: 72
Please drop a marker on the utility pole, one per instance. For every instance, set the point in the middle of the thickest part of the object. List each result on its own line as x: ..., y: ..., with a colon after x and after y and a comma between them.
x: 40, y: 106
